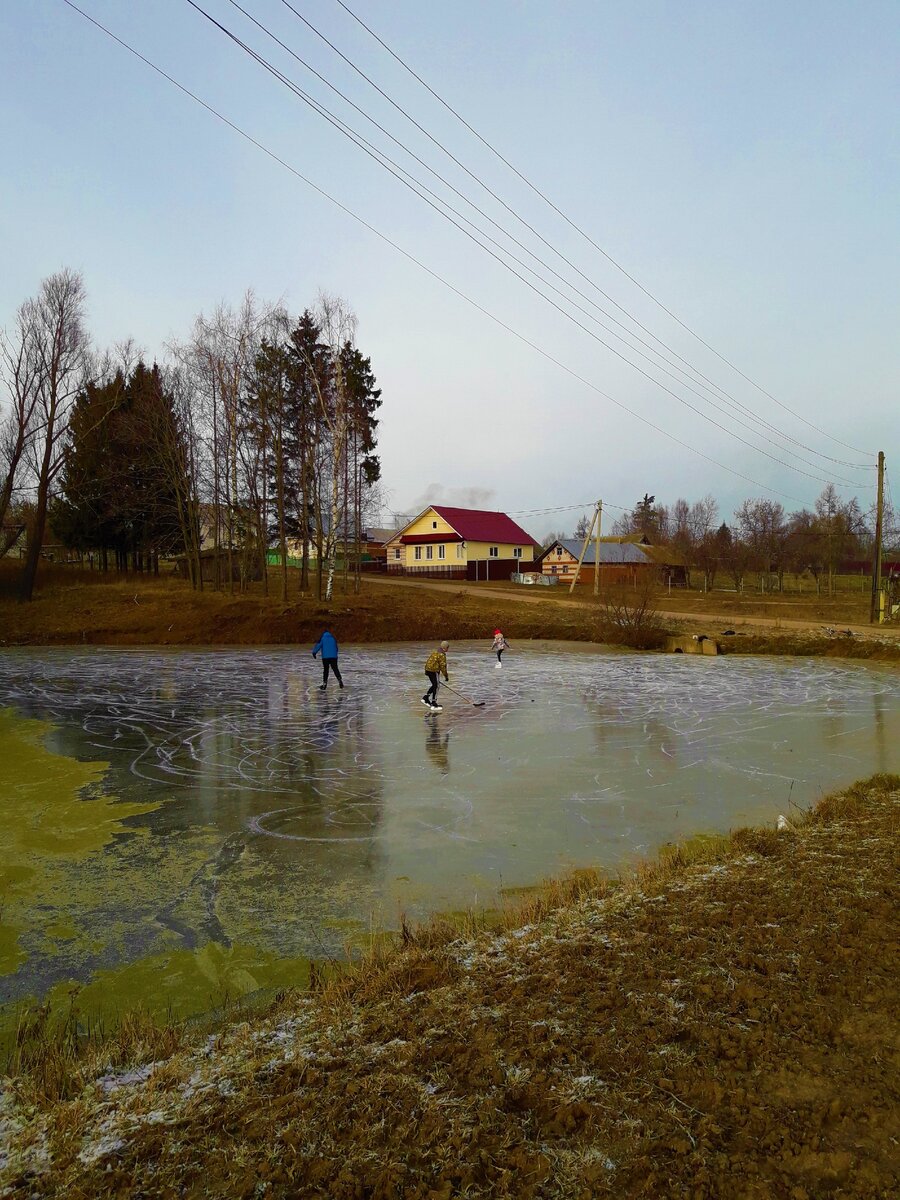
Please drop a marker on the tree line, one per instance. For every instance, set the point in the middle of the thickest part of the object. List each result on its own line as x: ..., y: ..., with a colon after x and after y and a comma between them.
x: 761, y: 539
x: 253, y: 444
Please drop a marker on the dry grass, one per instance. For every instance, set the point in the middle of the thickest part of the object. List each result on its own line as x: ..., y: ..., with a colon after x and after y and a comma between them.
x: 86, y: 608
x: 718, y: 1024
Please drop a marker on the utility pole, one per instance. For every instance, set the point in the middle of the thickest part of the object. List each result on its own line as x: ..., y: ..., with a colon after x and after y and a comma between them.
x: 584, y: 546
x: 597, y: 549
x: 875, y: 608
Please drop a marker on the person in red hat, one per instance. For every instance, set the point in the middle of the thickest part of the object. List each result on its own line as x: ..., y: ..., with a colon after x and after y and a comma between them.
x: 499, y: 644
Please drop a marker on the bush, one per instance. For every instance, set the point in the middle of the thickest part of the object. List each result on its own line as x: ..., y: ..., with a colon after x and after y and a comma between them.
x: 631, y: 617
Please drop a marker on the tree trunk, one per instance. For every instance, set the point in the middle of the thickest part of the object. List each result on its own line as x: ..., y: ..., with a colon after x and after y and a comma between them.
x: 33, y: 551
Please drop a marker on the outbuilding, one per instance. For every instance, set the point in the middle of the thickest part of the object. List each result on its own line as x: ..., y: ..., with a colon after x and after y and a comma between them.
x: 622, y: 560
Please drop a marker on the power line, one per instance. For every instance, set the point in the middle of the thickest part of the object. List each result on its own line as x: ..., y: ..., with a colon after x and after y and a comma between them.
x: 422, y: 266
x: 409, y: 181
x: 534, y: 188
x: 370, y: 148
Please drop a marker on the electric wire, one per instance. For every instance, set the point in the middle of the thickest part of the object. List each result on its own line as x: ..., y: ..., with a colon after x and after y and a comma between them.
x: 414, y: 187
x: 422, y: 266
x: 582, y: 233
x: 541, y: 512
x: 355, y: 136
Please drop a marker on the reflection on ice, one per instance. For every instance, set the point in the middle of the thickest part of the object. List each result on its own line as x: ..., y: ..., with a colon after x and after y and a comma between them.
x: 283, y: 817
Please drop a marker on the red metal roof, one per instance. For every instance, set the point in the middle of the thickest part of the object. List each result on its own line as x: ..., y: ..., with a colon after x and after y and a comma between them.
x: 479, y: 525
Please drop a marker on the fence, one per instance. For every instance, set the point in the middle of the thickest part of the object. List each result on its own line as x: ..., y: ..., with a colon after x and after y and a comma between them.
x: 492, y: 570
x: 431, y: 571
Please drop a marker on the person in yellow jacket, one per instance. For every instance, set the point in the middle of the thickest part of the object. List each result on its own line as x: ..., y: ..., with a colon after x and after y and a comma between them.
x: 435, y: 664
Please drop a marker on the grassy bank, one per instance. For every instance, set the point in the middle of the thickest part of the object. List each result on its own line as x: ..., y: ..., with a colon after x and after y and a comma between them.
x: 84, y: 608
x: 720, y: 1024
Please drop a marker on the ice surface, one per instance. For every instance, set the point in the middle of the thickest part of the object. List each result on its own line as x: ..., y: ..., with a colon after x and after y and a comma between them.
x: 287, y: 816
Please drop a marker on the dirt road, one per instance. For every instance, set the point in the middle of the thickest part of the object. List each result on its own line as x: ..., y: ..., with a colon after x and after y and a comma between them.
x: 715, y: 621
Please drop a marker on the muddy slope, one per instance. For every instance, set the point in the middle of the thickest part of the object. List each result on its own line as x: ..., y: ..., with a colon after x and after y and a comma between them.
x: 719, y: 1028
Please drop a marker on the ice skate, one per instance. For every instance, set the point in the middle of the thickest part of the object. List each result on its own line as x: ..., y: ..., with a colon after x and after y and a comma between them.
x: 437, y: 708
x: 497, y: 666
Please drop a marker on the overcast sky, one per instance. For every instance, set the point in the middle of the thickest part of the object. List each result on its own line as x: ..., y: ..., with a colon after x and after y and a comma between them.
x: 739, y: 160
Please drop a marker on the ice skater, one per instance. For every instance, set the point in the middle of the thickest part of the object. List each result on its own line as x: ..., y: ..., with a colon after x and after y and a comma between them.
x: 499, y: 644
x: 435, y: 664
x: 327, y: 643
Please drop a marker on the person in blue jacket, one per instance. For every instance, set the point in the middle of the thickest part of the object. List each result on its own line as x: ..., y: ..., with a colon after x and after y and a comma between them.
x: 327, y: 643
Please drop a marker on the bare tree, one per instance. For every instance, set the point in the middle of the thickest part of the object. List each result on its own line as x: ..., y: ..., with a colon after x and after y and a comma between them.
x: 842, y: 526
x: 554, y: 536
x: 763, y: 530
x: 19, y: 374
x: 220, y: 355
x: 176, y: 446
x: 338, y: 325
x: 56, y: 347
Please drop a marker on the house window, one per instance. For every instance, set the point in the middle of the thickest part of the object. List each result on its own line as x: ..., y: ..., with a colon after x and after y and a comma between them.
x: 460, y: 551
x: 517, y: 551
x: 418, y: 552
x: 493, y: 551
x: 397, y: 552
x: 440, y: 551
x: 553, y: 568
x: 429, y: 551
x: 434, y: 524
x: 559, y: 551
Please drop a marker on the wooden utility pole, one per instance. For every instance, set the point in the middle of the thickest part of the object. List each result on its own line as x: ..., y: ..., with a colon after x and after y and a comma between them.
x: 874, y: 610
x: 597, y: 549
x: 584, y: 546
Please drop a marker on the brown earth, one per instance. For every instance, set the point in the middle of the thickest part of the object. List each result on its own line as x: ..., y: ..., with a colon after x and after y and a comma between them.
x: 80, y: 608
x: 724, y: 1025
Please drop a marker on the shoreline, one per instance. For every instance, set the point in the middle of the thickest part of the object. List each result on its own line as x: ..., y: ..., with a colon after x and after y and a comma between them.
x: 719, y: 1019
x: 156, y: 613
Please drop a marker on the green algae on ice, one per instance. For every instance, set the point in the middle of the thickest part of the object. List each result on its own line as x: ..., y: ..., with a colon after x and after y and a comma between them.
x: 53, y: 813
x: 171, y: 986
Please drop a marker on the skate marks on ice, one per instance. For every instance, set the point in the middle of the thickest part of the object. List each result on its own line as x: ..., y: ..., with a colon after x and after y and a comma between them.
x: 260, y: 812
x: 253, y: 722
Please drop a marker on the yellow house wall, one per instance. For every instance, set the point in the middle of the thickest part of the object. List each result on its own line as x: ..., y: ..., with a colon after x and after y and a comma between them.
x: 408, y: 556
x: 426, y: 525
x: 478, y: 551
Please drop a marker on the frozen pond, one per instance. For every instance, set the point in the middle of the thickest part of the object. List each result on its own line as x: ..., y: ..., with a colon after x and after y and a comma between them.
x: 178, y: 826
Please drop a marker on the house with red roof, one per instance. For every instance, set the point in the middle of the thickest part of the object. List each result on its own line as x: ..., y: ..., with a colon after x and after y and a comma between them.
x: 460, y: 543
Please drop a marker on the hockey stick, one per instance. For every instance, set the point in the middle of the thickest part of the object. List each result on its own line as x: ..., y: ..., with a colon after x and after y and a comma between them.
x: 468, y: 699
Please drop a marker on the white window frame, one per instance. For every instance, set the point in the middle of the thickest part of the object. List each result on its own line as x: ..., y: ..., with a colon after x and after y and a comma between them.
x: 441, y: 551
x: 397, y: 552
x: 493, y: 551
x: 429, y: 552
x: 417, y: 552
x: 460, y: 552
x: 517, y: 551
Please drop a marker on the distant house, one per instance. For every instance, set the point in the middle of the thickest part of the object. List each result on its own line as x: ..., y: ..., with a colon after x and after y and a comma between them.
x: 12, y: 536
x: 622, y: 560
x: 460, y: 543
x: 371, y: 547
